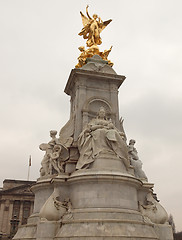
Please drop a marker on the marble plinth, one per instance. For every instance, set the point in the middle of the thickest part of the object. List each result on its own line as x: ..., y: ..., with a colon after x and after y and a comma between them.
x: 104, y: 206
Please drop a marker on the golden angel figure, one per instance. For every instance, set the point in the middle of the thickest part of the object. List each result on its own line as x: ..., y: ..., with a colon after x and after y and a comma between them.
x: 92, y: 27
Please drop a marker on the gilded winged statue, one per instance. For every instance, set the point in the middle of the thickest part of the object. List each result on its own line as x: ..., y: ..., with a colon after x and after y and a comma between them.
x: 92, y: 27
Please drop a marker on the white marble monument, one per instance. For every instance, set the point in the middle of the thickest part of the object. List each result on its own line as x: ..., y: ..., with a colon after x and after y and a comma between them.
x: 91, y: 184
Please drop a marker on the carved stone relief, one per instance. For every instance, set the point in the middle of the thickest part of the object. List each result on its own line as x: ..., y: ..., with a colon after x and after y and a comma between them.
x: 53, y: 209
x: 153, y: 210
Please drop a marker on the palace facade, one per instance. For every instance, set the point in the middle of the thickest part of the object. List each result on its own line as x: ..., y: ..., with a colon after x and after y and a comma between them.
x: 16, y: 205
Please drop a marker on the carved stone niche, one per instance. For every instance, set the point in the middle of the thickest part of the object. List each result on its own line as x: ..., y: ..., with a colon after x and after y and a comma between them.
x: 92, y: 107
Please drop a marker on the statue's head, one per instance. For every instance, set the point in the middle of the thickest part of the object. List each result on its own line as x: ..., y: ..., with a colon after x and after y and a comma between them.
x: 53, y: 133
x: 102, y: 112
x: 56, y: 148
x: 95, y: 16
x: 132, y: 142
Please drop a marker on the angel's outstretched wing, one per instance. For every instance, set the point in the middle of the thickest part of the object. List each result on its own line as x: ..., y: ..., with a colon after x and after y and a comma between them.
x: 104, y: 24
x: 85, y: 20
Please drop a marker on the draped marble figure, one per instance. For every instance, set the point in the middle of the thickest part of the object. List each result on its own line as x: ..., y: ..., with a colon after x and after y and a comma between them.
x: 135, y: 161
x: 101, y: 136
x: 55, y: 156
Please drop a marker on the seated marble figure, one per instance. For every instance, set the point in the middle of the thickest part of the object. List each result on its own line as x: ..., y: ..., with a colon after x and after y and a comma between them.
x: 101, y: 136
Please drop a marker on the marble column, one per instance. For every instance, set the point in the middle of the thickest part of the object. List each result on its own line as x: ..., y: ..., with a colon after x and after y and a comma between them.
x: 1, y: 214
x: 5, y: 217
x: 31, y: 207
x: 10, y: 215
x: 21, y: 212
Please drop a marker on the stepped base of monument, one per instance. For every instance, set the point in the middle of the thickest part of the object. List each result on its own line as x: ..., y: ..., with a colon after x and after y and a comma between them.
x: 113, y: 223
x: 95, y: 224
x: 110, y: 229
x: 104, y: 206
x: 94, y: 230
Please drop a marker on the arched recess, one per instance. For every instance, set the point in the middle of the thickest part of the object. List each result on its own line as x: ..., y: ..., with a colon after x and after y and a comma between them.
x: 92, y: 107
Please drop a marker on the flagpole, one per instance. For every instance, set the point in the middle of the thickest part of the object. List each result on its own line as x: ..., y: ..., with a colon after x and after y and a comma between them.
x: 29, y: 165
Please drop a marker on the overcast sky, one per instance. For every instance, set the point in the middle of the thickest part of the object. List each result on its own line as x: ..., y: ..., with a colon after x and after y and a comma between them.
x: 38, y: 48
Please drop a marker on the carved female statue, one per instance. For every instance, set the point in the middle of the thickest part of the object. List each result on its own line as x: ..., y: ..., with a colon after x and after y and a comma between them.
x: 48, y: 147
x: 54, y: 159
x: 135, y: 161
x: 101, y: 136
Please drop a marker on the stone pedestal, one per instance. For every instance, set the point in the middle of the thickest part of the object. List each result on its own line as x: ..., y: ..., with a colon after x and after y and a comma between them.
x: 104, y: 206
x: 108, y: 161
x: 90, y: 90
